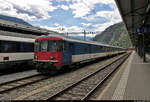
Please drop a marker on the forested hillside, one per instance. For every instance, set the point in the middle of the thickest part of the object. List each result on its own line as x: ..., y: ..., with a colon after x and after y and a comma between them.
x: 114, y: 35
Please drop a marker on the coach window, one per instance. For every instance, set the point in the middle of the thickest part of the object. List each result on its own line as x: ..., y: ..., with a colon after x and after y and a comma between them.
x: 71, y: 46
x: 86, y: 49
x: 44, y: 45
x: 0, y: 47
x: 36, y: 46
x: 17, y: 46
x: 7, y: 46
x: 22, y: 47
x: 63, y: 47
x: 60, y: 45
x: 29, y: 47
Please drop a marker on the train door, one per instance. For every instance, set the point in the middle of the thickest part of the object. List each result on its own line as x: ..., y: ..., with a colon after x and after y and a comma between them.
x: 67, y: 53
x: 72, y: 50
x: 106, y: 51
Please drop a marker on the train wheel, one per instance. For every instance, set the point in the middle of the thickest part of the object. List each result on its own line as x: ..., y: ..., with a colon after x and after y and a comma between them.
x: 77, y: 65
x: 53, y: 72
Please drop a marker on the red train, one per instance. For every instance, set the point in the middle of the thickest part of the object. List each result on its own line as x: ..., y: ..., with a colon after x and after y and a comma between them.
x: 54, y: 51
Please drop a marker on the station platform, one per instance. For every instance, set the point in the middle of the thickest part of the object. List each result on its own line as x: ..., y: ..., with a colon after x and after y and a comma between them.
x: 15, y: 76
x: 131, y: 81
x: 148, y: 58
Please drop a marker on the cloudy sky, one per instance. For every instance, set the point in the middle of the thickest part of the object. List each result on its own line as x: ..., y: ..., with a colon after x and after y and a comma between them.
x: 72, y: 15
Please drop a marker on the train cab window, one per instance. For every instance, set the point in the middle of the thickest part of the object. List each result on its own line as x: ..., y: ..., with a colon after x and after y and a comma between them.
x: 52, y: 46
x: 44, y: 45
x: 36, y: 46
x: 55, y: 45
x: 49, y: 45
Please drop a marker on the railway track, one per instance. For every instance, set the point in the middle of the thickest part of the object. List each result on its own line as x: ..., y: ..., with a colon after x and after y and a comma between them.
x: 10, y: 85
x: 83, y: 88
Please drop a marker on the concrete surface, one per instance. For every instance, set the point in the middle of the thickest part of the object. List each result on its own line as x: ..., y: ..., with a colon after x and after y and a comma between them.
x: 131, y: 82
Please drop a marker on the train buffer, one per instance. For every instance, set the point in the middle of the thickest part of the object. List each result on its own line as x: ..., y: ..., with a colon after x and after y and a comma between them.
x: 130, y: 82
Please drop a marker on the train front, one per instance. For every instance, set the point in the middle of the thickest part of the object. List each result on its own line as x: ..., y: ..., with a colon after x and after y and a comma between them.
x: 48, y: 54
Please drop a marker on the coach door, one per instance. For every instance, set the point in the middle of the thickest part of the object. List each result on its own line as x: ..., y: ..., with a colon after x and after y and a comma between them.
x: 67, y: 53
x: 71, y: 50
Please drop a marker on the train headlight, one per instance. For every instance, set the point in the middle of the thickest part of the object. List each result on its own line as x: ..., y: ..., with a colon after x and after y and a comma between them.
x: 51, y: 57
x: 36, y: 57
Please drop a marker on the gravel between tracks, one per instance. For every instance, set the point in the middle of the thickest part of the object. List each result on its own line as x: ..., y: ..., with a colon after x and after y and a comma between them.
x: 53, y: 84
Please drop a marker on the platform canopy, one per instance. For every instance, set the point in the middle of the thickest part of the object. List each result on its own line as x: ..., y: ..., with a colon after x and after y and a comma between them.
x: 135, y: 15
x: 24, y: 29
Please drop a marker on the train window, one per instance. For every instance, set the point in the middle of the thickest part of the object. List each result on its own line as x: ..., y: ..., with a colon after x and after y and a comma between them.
x: 51, y: 45
x: 86, y: 49
x: 28, y: 47
x: 7, y: 46
x: 63, y: 48
x: 55, y: 45
x: 12, y: 46
x: 0, y: 47
x: 44, y: 45
x: 70, y: 46
x: 36, y: 46
x: 59, y: 45
x: 25, y: 47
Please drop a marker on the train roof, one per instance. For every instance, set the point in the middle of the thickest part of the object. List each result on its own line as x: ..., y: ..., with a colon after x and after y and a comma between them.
x: 79, y: 40
x: 17, y: 39
x: 14, y: 34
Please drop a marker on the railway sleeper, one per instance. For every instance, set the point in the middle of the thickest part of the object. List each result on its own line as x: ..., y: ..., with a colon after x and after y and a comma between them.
x: 85, y: 87
x: 14, y: 84
x: 70, y: 97
x: 81, y: 88
x: 74, y: 93
x: 6, y: 87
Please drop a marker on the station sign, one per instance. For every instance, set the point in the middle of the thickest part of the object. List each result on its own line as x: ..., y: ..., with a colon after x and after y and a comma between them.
x: 145, y: 29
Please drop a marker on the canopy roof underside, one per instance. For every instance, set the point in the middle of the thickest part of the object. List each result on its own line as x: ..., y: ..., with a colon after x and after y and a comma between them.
x: 135, y: 14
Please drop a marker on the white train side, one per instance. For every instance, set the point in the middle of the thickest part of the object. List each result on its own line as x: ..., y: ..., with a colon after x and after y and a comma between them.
x: 15, y: 50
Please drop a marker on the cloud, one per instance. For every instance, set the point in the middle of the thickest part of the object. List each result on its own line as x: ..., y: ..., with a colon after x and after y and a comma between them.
x: 105, y: 14
x: 64, y: 7
x: 74, y: 28
x: 56, y: 24
x: 36, y: 10
x: 111, y: 17
x: 63, y: 29
x: 79, y: 9
x: 83, y: 7
x: 68, y: 29
x: 27, y: 9
x: 86, y: 24
x: 62, y: 0
x: 90, y: 18
x: 102, y: 27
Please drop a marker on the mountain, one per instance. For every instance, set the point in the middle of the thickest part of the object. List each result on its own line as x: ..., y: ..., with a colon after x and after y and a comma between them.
x: 81, y: 37
x: 114, y: 35
x: 14, y: 19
